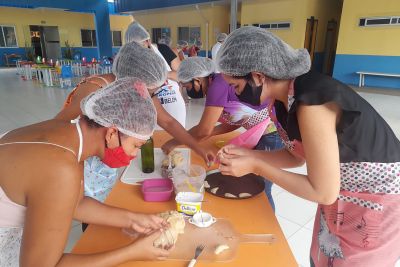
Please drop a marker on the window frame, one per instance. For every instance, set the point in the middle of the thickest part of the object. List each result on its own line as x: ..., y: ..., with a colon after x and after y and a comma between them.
x: 190, y: 26
x: 275, y: 25
x: 112, y: 38
x: 153, y: 40
x: 4, y: 37
x: 91, y: 36
x: 393, y: 21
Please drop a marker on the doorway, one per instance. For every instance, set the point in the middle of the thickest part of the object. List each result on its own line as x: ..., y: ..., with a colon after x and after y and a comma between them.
x: 45, y: 41
x: 311, y: 36
x: 330, y: 47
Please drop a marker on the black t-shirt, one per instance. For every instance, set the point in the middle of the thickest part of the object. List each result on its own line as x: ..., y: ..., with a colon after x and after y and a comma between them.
x: 167, y: 53
x: 363, y: 135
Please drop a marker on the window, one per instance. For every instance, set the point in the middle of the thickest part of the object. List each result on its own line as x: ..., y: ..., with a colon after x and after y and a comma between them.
x: 275, y: 25
x: 116, y: 38
x: 383, y: 21
x: 189, y: 34
x: 88, y: 38
x: 7, y: 36
x: 158, y: 33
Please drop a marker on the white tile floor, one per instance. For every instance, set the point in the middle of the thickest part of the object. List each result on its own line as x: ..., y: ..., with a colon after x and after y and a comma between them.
x: 24, y: 102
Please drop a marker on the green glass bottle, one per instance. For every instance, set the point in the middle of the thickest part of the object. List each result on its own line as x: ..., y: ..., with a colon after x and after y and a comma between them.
x: 147, y: 153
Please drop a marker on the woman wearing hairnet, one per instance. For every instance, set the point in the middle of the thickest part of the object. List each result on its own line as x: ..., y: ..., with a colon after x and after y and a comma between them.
x: 132, y: 60
x: 38, y: 198
x: 196, y: 75
x: 352, y: 155
x: 176, y: 109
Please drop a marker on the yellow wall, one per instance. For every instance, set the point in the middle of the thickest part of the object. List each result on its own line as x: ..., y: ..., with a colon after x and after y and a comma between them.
x: 69, y: 23
x: 217, y: 16
x: 357, y: 40
x: 120, y: 23
x: 294, y: 11
x: 275, y: 11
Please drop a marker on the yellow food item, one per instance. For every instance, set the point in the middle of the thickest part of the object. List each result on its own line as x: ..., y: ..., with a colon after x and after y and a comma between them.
x: 176, y: 159
x: 243, y: 195
x: 220, y: 248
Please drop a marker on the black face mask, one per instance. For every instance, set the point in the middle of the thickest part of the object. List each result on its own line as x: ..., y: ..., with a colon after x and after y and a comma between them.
x: 192, y: 93
x: 251, y: 95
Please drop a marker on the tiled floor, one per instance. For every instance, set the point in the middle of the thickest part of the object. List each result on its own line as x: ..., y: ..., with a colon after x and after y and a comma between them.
x: 23, y: 102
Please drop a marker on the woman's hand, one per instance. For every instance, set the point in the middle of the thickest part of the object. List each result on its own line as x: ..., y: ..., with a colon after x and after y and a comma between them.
x: 207, y: 155
x: 143, y: 248
x: 146, y: 223
x: 236, y: 161
x: 170, y: 145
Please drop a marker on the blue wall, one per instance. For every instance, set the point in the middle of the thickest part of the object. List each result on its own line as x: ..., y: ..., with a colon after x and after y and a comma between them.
x: 18, y: 50
x: 346, y: 67
x: 135, y: 5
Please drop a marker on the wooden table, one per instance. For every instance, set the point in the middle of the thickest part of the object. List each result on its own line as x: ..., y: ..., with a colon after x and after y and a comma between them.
x: 248, y: 216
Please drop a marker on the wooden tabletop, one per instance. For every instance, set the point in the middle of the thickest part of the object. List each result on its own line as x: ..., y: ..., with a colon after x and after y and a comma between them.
x: 249, y: 216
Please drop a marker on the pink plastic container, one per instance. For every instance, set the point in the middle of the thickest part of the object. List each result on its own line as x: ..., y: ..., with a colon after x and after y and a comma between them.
x: 157, y: 190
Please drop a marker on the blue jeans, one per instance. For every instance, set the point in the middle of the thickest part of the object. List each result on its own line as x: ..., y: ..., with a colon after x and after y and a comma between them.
x: 269, y: 142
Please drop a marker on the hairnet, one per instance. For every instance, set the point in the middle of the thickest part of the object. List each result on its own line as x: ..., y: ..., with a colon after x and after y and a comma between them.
x: 195, y: 67
x: 221, y: 37
x: 125, y: 104
x: 165, y: 40
x: 198, y: 43
x: 254, y: 49
x: 133, y: 60
x: 136, y: 33
x: 181, y: 44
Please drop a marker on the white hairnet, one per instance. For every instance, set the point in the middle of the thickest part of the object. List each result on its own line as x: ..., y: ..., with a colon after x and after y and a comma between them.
x: 221, y: 37
x: 125, y: 104
x: 195, y: 67
x: 198, y: 43
x: 181, y: 44
x: 165, y: 40
x: 136, y: 33
x: 251, y: 48
x: 134, y: 60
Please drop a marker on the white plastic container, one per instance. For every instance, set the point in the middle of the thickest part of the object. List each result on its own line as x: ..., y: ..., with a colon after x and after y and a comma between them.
x: 188, y: 202
x: 191, y: 180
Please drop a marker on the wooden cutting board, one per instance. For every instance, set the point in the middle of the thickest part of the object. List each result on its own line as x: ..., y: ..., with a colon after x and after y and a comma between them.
x: 221, y: 232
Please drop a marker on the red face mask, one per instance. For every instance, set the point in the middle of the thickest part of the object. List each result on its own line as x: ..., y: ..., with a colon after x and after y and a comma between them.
x: 116, y: 157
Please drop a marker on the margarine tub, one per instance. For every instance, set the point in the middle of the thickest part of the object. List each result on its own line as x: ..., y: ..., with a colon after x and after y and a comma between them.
x: 188, y: 202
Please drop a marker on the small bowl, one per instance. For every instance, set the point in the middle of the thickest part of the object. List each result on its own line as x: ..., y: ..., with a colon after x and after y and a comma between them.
x: 188, y: 202
x: 202, y: 219
x: 157, y: 190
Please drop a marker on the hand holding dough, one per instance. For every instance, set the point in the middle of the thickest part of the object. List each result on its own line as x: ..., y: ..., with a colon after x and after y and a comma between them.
x: 176, y: 226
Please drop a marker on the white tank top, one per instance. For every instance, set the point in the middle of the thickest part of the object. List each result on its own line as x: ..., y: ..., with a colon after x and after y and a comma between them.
x: 12, y: 215
x: 172, y: 101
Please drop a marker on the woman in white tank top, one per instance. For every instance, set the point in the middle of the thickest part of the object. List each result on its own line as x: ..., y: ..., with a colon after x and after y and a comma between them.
x: 41, y: 170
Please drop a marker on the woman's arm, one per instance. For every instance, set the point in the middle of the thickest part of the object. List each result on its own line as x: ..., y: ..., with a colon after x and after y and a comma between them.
x: 224, y: 128
x: 318, y: 131
x: 201, y: 131
x: 92, y: 211
x: 51, y: 201
x: 172, y: 75
x: 174, y: 128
